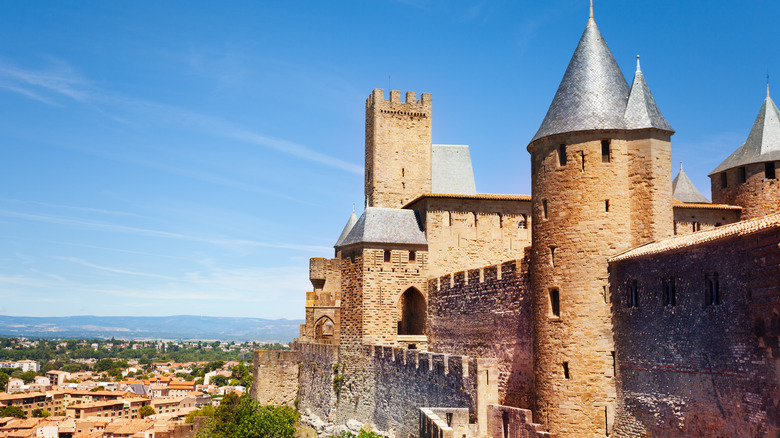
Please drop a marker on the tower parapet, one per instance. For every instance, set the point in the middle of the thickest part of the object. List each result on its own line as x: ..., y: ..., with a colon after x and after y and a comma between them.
x: 398, y: 148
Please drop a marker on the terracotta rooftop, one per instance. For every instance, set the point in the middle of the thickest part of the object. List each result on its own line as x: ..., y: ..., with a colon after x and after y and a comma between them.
x: 679, y: 204
x: 700, y: 238
x: 478, y: 196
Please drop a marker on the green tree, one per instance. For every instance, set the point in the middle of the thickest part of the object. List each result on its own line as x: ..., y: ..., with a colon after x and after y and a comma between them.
x: 240, y: 416
x: 3, y: 381
x: 12, y: 411
x: 27, y: 376
x: 206, y: 411
x: 219, y: 380
x: 40, y: 413
x: 145, y: 411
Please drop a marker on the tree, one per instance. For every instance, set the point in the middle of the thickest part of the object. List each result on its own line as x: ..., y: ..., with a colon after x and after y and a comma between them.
x: 3, y: 380
x: 12, y: 411
x: 145, y: 411
x: 240, y: 416
x: 40, y: 413
x: 219, y: 380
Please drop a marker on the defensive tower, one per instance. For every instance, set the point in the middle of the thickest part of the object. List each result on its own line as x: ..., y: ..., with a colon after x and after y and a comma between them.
x: 398, y: 148
x: 748, y: 177
x: 601, y: 184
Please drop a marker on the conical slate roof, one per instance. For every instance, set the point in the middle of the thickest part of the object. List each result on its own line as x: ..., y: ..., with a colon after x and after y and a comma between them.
x: 683, y: 189
x: 641, y: 110
x: 386, y: 225
x: 347, y: 228
x: 593, y: 91
x: 763, y: 143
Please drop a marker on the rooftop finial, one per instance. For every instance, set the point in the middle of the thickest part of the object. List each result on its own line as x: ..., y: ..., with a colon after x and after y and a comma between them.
x: 637, y: 63
x: 353, y: 208
x: 767, y: 84
x: 681, y: 167
x: 590, y: 18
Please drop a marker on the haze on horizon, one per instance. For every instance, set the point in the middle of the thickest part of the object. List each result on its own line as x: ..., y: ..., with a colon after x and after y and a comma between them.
x: 163, y: 158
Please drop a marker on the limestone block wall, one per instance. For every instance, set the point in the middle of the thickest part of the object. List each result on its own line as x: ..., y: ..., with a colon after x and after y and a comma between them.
x: 318, y: 368
x: 464, y: 232
x: 757, y: 195
x: 275, y: 377
x: 486, y: 313
x: 649, y: 160
x: 511, y: 422
x: 409, y: 379
x: 398, y: 148
x: 698, y: 369
x: 689, y: 219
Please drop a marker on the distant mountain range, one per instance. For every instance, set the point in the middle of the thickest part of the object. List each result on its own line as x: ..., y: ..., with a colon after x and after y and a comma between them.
x: 179, y: 327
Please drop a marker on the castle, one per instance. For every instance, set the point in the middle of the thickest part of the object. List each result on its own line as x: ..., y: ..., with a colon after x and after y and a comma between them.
x: 612, y: 301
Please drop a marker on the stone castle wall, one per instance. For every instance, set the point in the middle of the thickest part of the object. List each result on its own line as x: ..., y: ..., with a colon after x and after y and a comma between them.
x: 398, y: 148
x: 464, y: 233
x: 757, y: 196
x: 689, y: 219
x: 275, y: 377
x: 697, y: 369
x: 316, y: 379
x: 486, y: 313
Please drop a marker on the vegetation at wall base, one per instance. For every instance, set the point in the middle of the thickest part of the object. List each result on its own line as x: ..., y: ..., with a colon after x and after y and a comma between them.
x: 240, y: 416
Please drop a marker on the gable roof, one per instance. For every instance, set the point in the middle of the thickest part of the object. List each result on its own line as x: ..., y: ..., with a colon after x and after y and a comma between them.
x: 386, y: 225
x: 451, y: 170
x: 347, y: 228
x: 763, y: 142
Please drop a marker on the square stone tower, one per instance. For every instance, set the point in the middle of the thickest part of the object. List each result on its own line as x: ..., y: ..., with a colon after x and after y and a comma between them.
x: 398, y: 148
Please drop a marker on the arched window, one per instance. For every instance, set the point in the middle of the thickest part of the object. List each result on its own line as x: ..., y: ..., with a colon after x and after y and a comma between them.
x: 413, y: 313
x: 323, y: 330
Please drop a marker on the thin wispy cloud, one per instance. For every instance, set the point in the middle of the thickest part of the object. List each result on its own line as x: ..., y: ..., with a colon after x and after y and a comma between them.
x: 87, y: 264
x: 59, y: 79
x: 71, y: 207
x: 100, y: 226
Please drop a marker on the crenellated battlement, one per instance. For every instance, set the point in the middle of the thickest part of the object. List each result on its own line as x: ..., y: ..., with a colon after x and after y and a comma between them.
x: 436, y: 363
x: 473, y: 276
x: 411, y: 106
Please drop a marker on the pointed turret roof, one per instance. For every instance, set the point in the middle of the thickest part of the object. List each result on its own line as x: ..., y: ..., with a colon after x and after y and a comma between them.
x: 347, y: 228
x: 593, y: 91
x: 763, y: 143
x: 684, y: 190
x: 641, y: 110
x: 386, y: 225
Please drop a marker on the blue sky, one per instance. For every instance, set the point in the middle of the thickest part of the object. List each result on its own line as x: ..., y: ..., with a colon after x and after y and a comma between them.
x: 162, y: 158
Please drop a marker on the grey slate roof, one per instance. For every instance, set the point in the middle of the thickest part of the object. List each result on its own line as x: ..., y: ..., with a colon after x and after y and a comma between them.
x: 763, y: 143
x: 451, y: 171
x: 386, y: 225
x: 683, y: 189
x: 592, y: 93
x: 347, y: 228
x: 641, y: 110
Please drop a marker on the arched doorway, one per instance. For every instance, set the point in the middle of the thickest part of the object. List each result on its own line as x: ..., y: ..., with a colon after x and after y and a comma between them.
x: 323, y: 330
x: 413, y: 313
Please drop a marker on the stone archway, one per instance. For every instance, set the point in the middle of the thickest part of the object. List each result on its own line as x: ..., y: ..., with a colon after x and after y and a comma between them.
x: 413, y: 313
x: 324, y: 330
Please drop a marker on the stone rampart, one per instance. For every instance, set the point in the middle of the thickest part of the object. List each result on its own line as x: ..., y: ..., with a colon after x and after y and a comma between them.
x: 318, y: 379
x: 275, y: 377
x: 486, y: 313
x: 510, y: 422
x: 696, y: 335
x: 408, y: 379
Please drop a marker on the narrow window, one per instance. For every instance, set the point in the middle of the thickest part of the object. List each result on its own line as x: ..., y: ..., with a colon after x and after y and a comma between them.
x: 668, y: 292
x: 614, y: 365
x: 724, y: 180
x: 633, y: 294
x: 552, y: 255
x: 412, y: 256
x: 675, y: 228
x: 544, y: 208
x: 711, y: 289
x: 769, y: 170
x: 582, y: 157
x: 387, y: 255
x: 521, y: 223
x: 605, y: 151
x: 606, y: 205
x: 476, y: 220
x: 562, y: 155
x: 555, y: 303
x: 403, y: 172
x: 741, y: 175
x: 696, y: 226
x: 566, y: 370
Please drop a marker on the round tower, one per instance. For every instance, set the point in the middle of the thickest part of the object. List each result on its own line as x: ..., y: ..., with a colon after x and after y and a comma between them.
x: 749, y: 177
x: 601, y: 184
